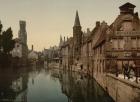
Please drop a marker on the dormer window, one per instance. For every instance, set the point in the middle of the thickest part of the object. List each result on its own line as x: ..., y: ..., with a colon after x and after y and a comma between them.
x: 126, y: 26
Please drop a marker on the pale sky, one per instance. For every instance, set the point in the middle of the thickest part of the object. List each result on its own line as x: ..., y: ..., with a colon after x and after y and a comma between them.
x: 47, y: 19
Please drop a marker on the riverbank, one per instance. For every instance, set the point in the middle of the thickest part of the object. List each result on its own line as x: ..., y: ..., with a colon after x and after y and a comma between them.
x: 121, y: 90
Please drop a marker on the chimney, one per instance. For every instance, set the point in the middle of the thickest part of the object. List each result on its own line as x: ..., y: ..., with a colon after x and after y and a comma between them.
x: 97, y: 23
x: 136, y: 14
x: 88, y: 30
x: 32, y: 47
x: 127, y: 8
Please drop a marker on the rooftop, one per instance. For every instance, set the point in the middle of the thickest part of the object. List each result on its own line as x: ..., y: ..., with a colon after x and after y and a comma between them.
x: 127, y: 5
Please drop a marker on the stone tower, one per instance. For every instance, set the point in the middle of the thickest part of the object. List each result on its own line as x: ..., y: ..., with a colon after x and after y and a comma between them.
x: 77, y: 37
x: 22, y: 32
x: 22, y: 35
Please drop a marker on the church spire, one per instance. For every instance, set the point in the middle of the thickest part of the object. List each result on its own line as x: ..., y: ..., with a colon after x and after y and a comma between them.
x: 77, y: 21
x: 61, y: 38
x: 61, y: 41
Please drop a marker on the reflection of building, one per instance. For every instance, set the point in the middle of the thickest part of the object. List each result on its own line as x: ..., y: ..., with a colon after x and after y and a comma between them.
x: 17, y: 84
x: 12, y: 85
x: 79, y: 88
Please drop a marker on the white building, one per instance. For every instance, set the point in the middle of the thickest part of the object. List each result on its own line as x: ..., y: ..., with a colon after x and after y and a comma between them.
x: 33, y: 55
x: 17, y: 50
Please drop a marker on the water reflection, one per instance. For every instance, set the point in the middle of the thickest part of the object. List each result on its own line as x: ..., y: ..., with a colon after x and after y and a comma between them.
x: 80, y: 88
x: 36, y: 84
x: 12, y: 83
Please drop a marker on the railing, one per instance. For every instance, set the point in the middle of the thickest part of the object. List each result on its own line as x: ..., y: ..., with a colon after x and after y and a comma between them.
x: 128, y: 72
x: 137, y: 73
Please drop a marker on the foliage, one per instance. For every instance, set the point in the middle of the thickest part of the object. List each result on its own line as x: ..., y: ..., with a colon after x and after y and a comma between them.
x: 6, y: 45
x: 0, y: 35
x: 6, y: 40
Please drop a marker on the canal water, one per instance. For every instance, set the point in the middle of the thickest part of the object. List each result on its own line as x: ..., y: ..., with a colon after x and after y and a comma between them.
x: 38, y: 84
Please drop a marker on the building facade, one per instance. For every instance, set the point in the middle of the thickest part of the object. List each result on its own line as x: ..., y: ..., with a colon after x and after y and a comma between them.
x: 107, y: 47
x: 124, y: 38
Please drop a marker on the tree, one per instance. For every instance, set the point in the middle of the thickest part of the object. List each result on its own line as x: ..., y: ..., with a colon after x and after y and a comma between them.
x: 6, y: 45
x: 0, y: 36
x: 7, y: 41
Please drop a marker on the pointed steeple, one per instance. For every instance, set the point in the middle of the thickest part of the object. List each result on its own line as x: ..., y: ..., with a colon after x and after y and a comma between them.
x: 61, y: 38
x: 77, y: 21
x: 64, y: 39
x: 61, y: 41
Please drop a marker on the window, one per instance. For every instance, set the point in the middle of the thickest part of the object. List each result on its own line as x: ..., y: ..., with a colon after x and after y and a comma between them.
x: 121, y: 43
x: 126, y: 26
x: 134, y: 43
x: 115, y: 44
x: 100, y: 49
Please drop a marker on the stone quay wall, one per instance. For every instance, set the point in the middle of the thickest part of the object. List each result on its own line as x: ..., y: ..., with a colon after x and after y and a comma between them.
x: 120, y: 90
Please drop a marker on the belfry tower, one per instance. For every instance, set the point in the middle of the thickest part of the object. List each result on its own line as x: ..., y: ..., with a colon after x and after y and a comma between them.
x: 22, y: 32
x: 77, y: 37
x: 22, y: 35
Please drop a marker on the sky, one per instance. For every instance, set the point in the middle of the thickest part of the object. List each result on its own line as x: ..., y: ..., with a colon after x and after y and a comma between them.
x: 46, y: 20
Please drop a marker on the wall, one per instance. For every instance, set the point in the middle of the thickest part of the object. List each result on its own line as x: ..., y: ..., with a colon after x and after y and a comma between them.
x: 119, y: 89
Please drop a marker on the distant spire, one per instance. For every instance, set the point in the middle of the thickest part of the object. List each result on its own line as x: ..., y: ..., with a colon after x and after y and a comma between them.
x: 61, y: 38
x: 32, y: 47
x: 61, y: 41
x: 64, y: 38
x: 77, y: 21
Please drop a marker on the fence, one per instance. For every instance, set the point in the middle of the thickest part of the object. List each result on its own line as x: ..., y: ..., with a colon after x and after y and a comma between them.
x: 127, y: 71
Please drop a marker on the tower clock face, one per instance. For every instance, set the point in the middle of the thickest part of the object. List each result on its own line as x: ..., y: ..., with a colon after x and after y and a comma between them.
x: 126, y: 26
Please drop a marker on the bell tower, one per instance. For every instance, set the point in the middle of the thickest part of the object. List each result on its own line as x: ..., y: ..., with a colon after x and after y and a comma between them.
x: 22, y: 32
x: 22, y: 35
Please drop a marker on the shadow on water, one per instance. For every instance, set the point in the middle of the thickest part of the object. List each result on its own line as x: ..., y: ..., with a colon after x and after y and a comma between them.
x: 38, y: 84
x: 12, y: 83
x: 80, y: 88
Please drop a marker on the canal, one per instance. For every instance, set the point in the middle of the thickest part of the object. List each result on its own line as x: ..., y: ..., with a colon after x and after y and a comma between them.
x: 38, y: 84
